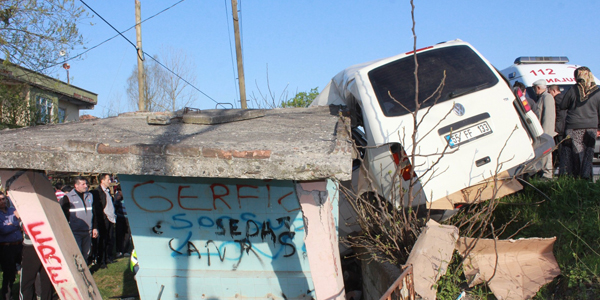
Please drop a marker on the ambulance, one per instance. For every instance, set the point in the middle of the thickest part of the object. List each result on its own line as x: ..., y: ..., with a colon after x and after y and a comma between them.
x: 554, y: 69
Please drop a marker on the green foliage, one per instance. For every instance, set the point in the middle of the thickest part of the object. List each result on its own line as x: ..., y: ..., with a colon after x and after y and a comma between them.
x: 32, y: 32
x: 302, y: 99
x: 451, y: 284
x: 15, y: 110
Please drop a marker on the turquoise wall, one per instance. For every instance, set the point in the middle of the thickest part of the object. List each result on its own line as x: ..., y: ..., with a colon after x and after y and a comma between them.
x: 206, y: 238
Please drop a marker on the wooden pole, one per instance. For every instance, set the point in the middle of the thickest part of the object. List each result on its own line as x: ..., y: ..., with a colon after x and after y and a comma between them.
x: 138, y: 33
x: 238, y: 51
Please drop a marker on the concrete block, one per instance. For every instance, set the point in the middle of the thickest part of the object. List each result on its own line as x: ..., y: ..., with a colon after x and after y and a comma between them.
x: 218, y: 116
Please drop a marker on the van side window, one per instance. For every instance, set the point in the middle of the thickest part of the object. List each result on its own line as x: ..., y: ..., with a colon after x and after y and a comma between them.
x: 466, y: 73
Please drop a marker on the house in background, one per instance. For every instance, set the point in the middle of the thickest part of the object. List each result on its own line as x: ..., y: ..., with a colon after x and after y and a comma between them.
x: 31, y: 98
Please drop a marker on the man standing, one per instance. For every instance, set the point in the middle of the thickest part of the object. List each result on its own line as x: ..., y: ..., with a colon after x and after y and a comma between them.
x: 104, y: 209
x: 11, y: 240
x: 547, y: 110
x: 77, y: 206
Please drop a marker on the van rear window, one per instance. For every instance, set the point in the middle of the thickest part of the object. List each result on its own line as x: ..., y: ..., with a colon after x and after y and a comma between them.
x: 466, y: 73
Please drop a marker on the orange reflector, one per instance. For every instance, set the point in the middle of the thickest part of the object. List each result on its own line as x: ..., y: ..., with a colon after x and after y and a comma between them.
x: 407, y: 171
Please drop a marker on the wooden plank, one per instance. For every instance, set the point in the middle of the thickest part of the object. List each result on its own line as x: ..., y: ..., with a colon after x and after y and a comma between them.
x: 33, y: 196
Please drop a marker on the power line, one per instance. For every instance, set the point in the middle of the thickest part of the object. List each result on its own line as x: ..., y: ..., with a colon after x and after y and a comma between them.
x: 99, y: 16
x: 194, y: 87
x: 158, y: 62
x: 109, y: 39
x: 230, y: 48
x: 241, y: 17
x: 136, y: 48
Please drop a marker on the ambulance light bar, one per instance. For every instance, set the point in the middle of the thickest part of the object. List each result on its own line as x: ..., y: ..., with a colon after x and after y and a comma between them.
x: 541, y: 59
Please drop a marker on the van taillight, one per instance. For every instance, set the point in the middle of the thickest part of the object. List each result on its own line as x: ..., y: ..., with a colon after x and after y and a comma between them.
x: 526, y: 105
x: 401, y: 161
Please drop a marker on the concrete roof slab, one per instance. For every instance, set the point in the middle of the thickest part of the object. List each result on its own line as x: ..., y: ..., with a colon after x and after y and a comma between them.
x: 286, y: 144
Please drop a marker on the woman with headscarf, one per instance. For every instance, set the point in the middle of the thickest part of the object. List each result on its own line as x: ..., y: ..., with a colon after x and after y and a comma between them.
x: 583, y: 104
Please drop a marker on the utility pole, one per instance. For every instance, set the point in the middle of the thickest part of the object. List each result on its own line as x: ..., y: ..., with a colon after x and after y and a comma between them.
x: 140, y: 54
x: 238, y: 51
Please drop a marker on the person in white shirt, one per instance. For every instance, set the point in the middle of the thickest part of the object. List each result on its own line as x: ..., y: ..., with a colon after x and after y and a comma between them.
x: 104, y: 212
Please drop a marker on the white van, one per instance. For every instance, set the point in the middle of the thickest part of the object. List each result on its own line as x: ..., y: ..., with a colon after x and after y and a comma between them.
x: 482, y: 127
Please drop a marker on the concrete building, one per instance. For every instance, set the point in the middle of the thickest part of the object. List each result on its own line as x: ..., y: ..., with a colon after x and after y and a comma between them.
x: 234, y: 210
x: 29, y: 97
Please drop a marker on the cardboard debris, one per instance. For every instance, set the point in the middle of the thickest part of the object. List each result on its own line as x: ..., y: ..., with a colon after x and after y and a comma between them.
x: 430, y: 256
x: 513, y: 269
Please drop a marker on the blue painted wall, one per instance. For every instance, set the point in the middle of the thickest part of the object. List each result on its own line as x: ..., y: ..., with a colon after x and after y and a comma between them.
x: 207, y: 238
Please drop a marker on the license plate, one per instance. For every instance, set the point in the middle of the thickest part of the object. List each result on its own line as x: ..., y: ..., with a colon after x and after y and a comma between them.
x: 468, y: 134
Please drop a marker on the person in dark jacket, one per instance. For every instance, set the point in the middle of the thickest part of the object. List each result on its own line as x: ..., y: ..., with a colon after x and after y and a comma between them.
x: 77, y: 206
x: 559, y: 125
x: 561, y: 114
x: 11, y: 244
x: 32, y: 268
x: 122, y: 233
x: 104, y: 210
x: 582, y: 102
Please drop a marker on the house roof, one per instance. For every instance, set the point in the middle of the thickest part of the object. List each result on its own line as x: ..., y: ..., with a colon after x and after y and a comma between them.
x: 72, y: 93
x: 286, y: 144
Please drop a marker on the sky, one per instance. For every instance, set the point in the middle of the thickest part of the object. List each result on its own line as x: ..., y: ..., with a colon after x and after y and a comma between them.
x: 294, y: 46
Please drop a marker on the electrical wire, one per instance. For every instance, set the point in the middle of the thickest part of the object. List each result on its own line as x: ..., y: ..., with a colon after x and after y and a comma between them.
x: 107, y: 40
x: 143, y: 52
x: 99, y: 16
x: 241, y: 18
x: 194, y: 87
x: 235, y: 86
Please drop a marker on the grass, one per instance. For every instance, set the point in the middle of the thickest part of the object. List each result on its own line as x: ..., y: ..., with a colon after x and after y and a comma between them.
x: 572, y: 214
x: 115, y: 281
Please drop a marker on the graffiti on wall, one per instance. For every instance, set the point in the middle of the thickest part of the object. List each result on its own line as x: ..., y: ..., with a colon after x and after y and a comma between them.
x: 221, y: 222
x: 54, y: 263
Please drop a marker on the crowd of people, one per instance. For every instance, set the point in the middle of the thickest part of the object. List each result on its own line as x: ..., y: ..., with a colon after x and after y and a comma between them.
x: 572, y: 118
x: 97, y: 218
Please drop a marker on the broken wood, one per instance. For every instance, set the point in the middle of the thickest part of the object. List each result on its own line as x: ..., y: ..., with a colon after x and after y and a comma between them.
x: 43, y: 219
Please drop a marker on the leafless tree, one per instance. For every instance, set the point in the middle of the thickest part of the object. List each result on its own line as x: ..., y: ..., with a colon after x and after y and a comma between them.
x: 178, y: 92
x: 113, y: 107
x: 390, y: 226
x: 164, y: 91
x: 268, y: 99
x: 153, y: 93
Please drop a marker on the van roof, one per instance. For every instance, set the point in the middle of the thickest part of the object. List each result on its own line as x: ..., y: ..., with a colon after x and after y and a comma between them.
x: 343, y: 83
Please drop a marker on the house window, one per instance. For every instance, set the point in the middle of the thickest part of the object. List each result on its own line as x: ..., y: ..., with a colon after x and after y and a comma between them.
x: 62, y: 115
x: 44, y: 110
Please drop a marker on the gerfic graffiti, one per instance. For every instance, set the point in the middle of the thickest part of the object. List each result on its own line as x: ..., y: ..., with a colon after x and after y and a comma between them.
x: 58, y: 272
x: 211, y: 197
x: 240, y: 235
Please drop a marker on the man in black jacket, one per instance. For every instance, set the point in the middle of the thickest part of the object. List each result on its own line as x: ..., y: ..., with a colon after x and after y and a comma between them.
x: 104, y: 212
